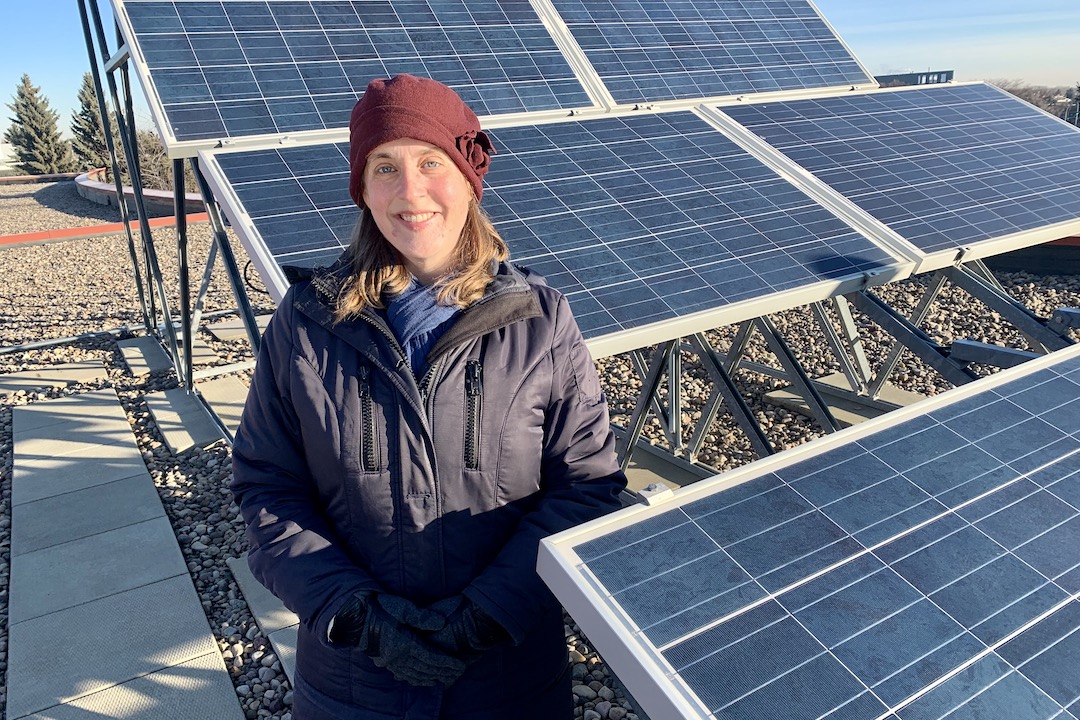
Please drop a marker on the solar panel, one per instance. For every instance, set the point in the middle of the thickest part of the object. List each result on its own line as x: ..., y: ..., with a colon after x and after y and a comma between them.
x: 947, y: 167
x: 640, y: 220
x: 923, y: 565
x: 654, y: 50
x: 236, y: 68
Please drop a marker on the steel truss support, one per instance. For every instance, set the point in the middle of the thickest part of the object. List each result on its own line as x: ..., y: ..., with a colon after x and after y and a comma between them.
x: 174, y: 328
x: 665, y: 361
x: 842, y: 337
x: 796, y: 375
x: 911, y: 337
x: 1037, y: 329
x: 724, y: 389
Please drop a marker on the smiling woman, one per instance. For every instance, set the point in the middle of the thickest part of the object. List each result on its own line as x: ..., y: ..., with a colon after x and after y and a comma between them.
x: 421, y: 415
x: 419, y: 201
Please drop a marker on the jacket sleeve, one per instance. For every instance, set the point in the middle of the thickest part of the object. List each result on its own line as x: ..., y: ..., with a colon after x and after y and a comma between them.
x: 581, y: 481
x: 292, y: 550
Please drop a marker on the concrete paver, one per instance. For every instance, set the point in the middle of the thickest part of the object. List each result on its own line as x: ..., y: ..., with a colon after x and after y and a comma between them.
x: 226, y: 395
x: 144, y: 355
x: 56, y: 376
x: 67, y: 437
x: 60, y: 576
x: 42, y: 476
x: 233, y: 328
x: 196, y: 689
x: 96, y: 403
x: 71, y: 516
x: 104, y: 620
x: 89, y: 647
x: 284, y: 642
x: 182, y: 420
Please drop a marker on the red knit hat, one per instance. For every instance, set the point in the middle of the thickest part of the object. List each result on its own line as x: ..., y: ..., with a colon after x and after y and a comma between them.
x: 406, y: 106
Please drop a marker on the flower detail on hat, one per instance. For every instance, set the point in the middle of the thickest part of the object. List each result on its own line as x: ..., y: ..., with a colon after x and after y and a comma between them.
x: 477, y: 150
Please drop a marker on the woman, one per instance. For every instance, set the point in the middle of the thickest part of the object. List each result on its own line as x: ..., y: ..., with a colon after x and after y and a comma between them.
x: 421, y: 415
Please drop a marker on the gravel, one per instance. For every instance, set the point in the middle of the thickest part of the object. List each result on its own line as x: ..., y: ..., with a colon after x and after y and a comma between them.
x: 34, y: 207
x: 65, y: 289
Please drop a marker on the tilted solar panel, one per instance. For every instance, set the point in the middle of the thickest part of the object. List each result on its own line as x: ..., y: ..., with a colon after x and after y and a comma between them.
x: 641, y: 220
x: 654, y: 50
x: 236, y: 68
x: 924, y: 565
x: 945, y: 167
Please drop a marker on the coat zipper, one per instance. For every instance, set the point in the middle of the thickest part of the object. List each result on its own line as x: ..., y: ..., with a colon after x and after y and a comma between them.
x: 369, y: 458
x: 473, y: 402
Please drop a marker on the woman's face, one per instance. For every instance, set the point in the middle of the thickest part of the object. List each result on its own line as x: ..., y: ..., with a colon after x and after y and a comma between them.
x: 419, y: 200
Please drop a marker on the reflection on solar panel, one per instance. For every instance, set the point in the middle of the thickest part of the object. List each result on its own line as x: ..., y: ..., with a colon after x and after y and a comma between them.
x: 652, y: 50
x: 234, y: 68
x: 944, y: 167
x: 928, y: 566
x: 639, y: 219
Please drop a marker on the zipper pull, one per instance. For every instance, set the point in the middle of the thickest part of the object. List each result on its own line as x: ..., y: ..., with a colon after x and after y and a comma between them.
x: 472, y: 378
x: 365, y: 389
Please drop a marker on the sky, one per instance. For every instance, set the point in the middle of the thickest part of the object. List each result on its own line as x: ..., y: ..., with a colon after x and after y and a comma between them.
x: 1036, y: 41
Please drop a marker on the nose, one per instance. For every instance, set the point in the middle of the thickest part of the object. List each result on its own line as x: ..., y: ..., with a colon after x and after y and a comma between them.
x: 411, y: 183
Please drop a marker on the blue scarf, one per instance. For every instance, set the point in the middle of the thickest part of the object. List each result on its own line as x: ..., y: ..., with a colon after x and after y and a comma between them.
x: 418, y: 321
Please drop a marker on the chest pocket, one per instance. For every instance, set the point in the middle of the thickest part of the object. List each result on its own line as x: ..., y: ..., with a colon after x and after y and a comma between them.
x: 369, y: 447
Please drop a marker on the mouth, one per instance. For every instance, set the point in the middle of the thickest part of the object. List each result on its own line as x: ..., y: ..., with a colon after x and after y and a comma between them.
x: 416, y: 217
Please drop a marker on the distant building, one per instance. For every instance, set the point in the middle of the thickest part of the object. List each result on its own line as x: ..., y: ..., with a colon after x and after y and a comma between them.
x: 7, y: 158
x: 929, y: 77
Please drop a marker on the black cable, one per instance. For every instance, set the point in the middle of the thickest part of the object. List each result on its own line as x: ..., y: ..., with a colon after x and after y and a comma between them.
x: 247, y: 281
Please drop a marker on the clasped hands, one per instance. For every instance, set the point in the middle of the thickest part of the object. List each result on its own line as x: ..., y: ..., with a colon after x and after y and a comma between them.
x: 420, y: 646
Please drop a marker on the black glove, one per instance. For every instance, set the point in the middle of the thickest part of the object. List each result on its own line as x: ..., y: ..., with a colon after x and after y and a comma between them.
x: 381, y: 626
x: 469, y: 631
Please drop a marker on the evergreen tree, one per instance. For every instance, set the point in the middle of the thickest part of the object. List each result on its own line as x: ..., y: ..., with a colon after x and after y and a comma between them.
x: 34, y: 135
x: 87, y: 130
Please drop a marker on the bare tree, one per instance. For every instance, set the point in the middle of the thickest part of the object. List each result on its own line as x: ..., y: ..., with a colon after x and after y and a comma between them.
x: 1042, y: 97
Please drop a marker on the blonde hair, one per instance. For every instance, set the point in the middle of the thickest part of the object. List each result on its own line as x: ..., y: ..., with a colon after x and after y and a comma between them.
x: 378, y: 269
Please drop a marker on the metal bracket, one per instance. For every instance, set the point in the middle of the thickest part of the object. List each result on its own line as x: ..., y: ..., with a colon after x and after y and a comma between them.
x: 118, y: 58
x: 969, y: 351
x: 1063, y: 320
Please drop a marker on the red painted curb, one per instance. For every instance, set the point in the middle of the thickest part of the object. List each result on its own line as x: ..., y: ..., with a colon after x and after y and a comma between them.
x: 77, y: 233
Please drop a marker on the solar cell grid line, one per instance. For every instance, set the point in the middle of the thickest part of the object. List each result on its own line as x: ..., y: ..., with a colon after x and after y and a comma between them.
x: 950, y: 168
x: 656, y: 50
x: 649, y: 223
x: 249, y: 68
x: 925, y: 564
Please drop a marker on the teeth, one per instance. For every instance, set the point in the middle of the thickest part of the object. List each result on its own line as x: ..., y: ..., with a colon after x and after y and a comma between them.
x: 418, y: 218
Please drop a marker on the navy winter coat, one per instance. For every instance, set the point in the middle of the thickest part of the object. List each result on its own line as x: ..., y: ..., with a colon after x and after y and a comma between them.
x: 353, y: 474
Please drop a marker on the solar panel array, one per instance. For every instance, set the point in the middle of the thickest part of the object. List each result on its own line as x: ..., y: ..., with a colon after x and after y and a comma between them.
x: 638, y: 219
x: 945, y: 167
x: 930, y: 569
x: 654, y: 50
x: 233, y: 68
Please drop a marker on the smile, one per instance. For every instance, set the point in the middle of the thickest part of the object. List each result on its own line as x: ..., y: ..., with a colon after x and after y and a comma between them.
x: 419, y: 217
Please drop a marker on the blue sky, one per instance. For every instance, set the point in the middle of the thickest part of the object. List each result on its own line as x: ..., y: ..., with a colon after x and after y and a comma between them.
x: 1037, y: 41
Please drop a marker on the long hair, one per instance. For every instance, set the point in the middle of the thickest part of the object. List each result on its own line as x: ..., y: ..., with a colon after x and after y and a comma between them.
x: 378, y: 269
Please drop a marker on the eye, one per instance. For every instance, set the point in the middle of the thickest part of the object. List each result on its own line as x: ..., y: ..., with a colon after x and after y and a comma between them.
x: 383, y: 169
x: 432, y: 163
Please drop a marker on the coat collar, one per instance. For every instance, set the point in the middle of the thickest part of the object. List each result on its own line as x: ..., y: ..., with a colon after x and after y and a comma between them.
x: 507, y: 299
